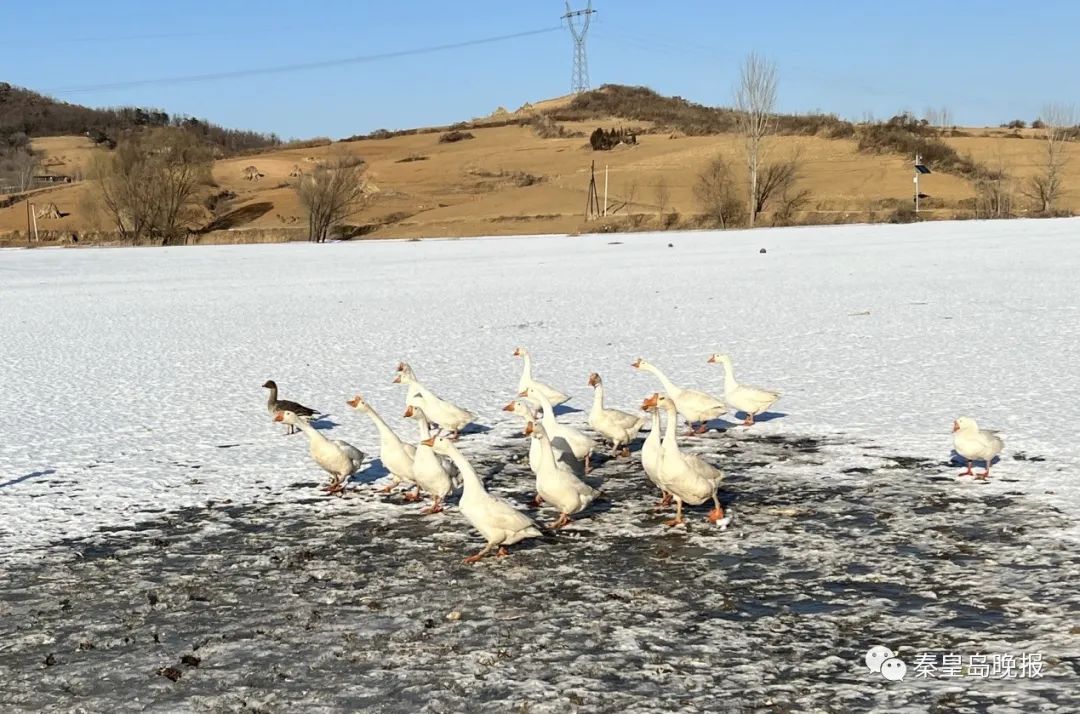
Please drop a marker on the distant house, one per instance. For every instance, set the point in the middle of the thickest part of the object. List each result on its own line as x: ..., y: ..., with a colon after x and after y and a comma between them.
x: 52, y: 178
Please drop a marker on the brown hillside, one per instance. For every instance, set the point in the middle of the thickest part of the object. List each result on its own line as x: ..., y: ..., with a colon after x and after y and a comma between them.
x: 509, y: 180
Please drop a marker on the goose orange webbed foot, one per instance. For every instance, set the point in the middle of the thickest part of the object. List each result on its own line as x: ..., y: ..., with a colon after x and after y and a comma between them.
x: 502, y: 552
x: 674, y: 522
x: 715, y: 515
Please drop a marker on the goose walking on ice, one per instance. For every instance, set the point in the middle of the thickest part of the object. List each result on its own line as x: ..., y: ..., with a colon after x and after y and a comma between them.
x: 563, y: 437
x: 275, y: 405
x: 497, y: 520
x: 688, y: 477
x: 975, y: 444
x: 616, y: 426
x: 650, y: 454
x: 751, y: 401
x: 396, y: 455
x: 526, y: 382
x: 559, y: 486
x: 446, y: 415
x: 695, y: 406
x: 564, y: 459
x: 338, y: 458
x: 431, y: 472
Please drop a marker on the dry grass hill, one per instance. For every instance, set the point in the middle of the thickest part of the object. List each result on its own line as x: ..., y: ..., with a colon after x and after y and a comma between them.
x: 528, y: 171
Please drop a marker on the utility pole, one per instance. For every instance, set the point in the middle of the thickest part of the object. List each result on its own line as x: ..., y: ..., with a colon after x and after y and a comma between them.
x: 579, y: 79
x: 605, y: 189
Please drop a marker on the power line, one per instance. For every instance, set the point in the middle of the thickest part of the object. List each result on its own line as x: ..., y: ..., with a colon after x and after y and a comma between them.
x: 321, y: 64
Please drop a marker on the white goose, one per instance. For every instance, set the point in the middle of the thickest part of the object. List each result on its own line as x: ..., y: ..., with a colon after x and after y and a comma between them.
x: 689, y: 478
x: 396, y: 455
x: 559, y: 486
x: 447, y: 415
x: 526, y: 382
x: 431, y: 472
x: 563, y: 437
x: 406, y: 376
x: 976, y: 444
x: 742, y: 397
x: 497, y: 520
x: 338, y: 458
x: 565, y: 460
x: 694, y: 405
x: 616, y: 426
x: 650, y: 455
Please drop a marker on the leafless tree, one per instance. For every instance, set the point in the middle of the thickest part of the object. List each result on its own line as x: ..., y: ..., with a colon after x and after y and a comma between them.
x: 945, y: 117
x: 755, y: 102
x: 662, y: 194
x: 148, y: 186
x: 24, y: 166
x: 716, y: 191
x: 778, y: 179
x: 1047, y: 186
x: 330, y: 192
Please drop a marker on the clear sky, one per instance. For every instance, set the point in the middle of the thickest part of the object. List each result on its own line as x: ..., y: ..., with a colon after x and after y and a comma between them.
x: 987, y: 62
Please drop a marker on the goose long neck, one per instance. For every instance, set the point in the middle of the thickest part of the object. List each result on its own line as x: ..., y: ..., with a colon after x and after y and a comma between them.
x: 668, y: 386
x: 470, y: 479
x: 547, y: 455
x: 385, y: 432
x: 312, y: 433
x: 424, y: 427
x: 526, y: 371
x: 655, y: 423
x: 548, y: 418
x: 670, y: 440
x: 273, y: 397
x: 729, y: 377
x: 598, y: 398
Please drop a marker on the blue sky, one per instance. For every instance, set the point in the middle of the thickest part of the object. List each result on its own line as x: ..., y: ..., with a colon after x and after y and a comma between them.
x: 986, y: 61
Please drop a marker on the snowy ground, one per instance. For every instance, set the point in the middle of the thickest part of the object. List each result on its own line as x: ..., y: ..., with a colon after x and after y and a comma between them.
x: 149, y: 510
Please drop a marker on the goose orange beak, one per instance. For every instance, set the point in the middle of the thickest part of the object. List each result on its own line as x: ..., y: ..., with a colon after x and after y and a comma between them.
x: 428, y: 442
x: 279, y: 416
x: 650, y: 402
x: 523, y: 393
x: 354, y: 402
x: 397, y: 379
x: 592, y: 380
x: 517, y: 352
x: 712, y: 359
x: 955, y: 426
x: 529, y: 429
x: 509, y: 407
x: 401, y: 366
x: 637, y: 363
x: 408, y: 411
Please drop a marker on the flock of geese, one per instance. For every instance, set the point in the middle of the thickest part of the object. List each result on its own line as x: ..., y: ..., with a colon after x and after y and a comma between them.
x: 559, y: 454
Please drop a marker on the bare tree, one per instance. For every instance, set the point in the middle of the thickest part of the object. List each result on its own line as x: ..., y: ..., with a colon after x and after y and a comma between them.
x: 24, y: 165
x: 148, y: 187
x: 1047, y: 186
x: 662, y: 194
x: 778, y: 179
x: 716, y: 191
x: 755, y: 102
x: 330, y: 192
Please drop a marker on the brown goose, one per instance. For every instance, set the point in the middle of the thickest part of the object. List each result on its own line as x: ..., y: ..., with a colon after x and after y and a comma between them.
x: 275, y: 405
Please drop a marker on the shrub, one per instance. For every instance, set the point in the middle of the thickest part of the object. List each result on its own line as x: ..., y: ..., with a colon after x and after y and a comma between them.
x: 411, y: 157
x: 903, y: 134
x: 601, y: 140
x: 1015, y: 124
x: 716, y: 191
x: 451, y: 137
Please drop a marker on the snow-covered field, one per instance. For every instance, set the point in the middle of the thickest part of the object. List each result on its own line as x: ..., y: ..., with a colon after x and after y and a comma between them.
x: 137, y: 457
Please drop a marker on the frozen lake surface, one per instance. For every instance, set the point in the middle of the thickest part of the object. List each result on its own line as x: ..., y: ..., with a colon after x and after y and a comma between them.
x: 149, y: 511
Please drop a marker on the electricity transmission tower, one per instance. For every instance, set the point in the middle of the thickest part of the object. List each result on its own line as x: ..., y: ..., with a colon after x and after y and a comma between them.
x: 579, y: 80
